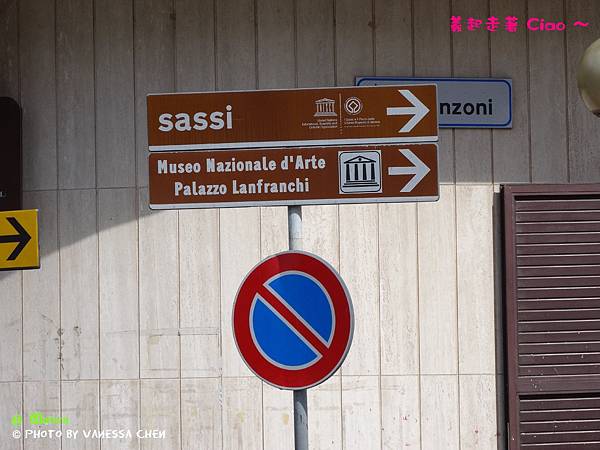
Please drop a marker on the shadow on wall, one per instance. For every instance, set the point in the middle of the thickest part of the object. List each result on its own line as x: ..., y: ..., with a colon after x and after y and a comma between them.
x: 499, y: 321
x: 84, y: 96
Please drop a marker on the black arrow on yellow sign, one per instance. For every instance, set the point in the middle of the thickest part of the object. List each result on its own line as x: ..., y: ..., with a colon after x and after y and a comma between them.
x: 22, y: 238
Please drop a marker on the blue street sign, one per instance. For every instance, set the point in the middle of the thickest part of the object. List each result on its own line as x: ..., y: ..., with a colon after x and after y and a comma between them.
x: 463, y: 102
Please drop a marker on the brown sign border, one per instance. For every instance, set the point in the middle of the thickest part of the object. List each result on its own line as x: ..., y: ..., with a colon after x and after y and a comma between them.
x: 240, y: 144
x: 322, y: 201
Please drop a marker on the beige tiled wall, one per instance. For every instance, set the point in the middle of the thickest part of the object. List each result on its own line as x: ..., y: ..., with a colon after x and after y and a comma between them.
x: 127, y: 324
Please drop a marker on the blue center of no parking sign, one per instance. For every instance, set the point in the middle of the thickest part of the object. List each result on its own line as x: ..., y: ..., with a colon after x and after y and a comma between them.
x: 277, y: 338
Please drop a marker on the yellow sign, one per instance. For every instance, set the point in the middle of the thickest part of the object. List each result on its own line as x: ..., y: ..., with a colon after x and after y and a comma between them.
x: 19, y: 244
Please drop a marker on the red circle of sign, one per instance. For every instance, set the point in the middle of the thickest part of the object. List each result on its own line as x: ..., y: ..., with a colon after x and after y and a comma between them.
x: 325, y: 366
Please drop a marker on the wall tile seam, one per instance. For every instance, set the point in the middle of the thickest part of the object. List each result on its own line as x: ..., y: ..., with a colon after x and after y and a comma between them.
x: 141, y: 187
x: 567, y: 77
x: 374, y: 375
x: 456, y: 280
x: 60, y: 298
x: 35, y: 191
x: 117, y: 380
x: 491, y: 131
x: 55, y: 95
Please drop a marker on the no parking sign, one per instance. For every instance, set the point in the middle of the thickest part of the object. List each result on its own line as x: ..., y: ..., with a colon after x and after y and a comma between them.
x: 293, y: 320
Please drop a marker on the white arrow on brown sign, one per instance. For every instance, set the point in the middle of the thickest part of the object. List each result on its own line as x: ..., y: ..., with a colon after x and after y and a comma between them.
x: 418, y: 169
x: 418, y: 111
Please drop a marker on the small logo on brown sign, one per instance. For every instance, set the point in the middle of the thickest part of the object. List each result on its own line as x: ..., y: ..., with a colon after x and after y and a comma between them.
x: 353, y: 105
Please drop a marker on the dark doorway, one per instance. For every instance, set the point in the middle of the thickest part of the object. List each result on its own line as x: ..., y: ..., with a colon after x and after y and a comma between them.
x: 10, y: 144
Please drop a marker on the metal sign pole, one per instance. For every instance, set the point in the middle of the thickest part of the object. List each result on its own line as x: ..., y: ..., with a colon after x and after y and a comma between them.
x: 300, y: 397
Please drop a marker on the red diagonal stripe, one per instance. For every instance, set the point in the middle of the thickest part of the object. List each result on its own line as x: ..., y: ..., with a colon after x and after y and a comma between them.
x: 291, y: 318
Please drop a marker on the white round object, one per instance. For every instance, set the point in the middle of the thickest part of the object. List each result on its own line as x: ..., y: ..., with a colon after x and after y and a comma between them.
x: 588, y: 77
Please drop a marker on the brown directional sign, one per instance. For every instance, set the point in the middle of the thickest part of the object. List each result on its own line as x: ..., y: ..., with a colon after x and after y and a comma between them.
x: 294, y: 176
x: 292, y: 118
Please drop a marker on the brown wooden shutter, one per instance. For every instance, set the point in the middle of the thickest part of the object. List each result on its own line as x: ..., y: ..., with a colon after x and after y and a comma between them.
x: 552, y: 270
